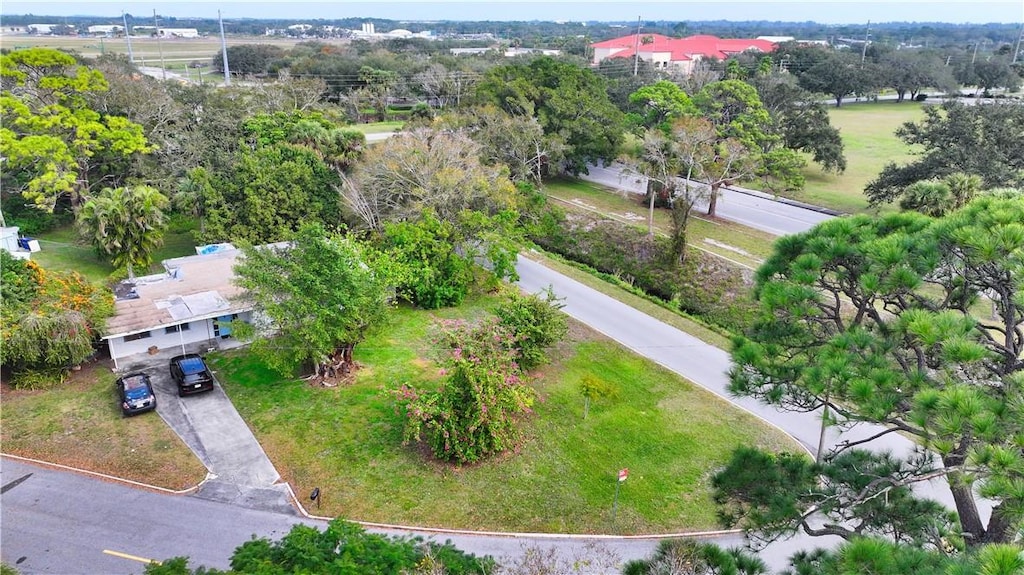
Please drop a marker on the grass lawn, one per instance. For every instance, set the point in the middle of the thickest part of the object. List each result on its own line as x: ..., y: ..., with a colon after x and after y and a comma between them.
x: 869, y: 135
x: 63, y: 250
x: 79, y: 423
x: 739, y: 243
x: 378, y: 127
x: 348, y: 441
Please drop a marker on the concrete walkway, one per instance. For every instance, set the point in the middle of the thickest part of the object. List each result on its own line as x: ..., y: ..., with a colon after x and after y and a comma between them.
x: 240, y: 472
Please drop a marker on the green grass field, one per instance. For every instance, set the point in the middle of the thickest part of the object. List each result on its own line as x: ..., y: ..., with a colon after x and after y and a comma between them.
x: 869, y: 135
x: 348, y: 441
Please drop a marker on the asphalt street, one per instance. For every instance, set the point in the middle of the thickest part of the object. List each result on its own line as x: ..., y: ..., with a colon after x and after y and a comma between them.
x: 749, y: 207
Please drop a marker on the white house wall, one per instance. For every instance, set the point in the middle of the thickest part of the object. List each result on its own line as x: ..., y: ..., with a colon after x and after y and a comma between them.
x: 199, y: 331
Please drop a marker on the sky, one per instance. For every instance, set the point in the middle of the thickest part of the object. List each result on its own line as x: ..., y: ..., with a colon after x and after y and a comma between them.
x: 824, y: 11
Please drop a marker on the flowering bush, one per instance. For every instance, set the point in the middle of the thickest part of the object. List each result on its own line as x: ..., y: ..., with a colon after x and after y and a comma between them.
x: 50, y: 320
x: 472, y: 415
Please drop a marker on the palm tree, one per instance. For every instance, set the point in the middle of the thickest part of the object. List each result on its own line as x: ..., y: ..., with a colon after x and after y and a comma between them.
x: 125, y: 223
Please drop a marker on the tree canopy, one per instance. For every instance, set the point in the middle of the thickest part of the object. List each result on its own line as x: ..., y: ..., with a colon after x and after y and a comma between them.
x: 980, y: 140
x: 52, y: 141
x: 912, y: 323
x: 49, y: 319
x: 323, y: 294
x: 568, y: 100
x: 126, y: 224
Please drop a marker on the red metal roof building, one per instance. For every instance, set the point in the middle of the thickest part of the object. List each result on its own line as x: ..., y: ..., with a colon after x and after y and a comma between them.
x: 663, y: 51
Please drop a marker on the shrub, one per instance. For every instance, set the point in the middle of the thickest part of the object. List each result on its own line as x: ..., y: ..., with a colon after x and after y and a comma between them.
x: 536, y: 324
x: 438, y: 276
x: 473, y: 413
x: 342, y: 548
x: 49, y: 320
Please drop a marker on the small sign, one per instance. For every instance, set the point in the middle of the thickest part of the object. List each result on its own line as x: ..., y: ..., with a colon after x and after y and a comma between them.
x: 623, y: 474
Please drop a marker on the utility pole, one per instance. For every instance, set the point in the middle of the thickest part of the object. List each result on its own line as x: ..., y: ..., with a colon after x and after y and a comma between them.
x: 636, y: 48
x: 224, y: 51
x: 975, y: 56
x: 1016, y: 51
x: 128, y: 38
x: 159, y: 45
x: 864, y: 50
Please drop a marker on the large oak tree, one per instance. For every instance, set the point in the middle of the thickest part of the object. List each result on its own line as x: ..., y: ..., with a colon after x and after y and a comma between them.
x: 53, y: 143
x: 983, y: 140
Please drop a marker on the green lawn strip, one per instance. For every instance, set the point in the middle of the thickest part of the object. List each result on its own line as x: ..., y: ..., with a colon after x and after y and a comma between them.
x: 727, y: 239
x: 79, y: 423
x: 647, y: 304
x: 63, y: 250
x: 348, y: 441
x: 378, y: 127
x: 869, y: 136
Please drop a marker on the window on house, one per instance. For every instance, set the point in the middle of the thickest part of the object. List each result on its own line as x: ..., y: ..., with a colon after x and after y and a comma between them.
x: 137, y: 336
x: 175, y: 328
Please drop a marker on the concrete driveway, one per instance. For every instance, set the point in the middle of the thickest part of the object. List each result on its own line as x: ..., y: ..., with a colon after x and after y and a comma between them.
x: 240, y: 472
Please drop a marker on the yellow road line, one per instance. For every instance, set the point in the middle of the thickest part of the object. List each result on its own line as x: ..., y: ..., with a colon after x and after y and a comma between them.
x: 131, y: 557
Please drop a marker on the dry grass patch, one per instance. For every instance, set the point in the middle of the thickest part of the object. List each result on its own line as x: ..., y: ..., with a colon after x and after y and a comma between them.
x: 79, y: 424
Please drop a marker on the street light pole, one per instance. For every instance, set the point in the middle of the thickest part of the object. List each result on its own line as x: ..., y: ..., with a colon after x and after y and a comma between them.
x: 224, y: 51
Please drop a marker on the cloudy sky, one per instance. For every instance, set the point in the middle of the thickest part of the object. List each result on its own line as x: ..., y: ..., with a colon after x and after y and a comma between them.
x: 826, y: 11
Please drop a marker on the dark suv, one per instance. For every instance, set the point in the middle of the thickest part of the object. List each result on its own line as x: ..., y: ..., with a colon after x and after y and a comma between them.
x: 191, y: 374
x: 136, y: 393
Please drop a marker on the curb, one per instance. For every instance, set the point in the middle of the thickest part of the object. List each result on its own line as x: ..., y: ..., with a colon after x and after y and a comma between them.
x: 395, y: 527
x: 514, y: 534
x: 39, y: 462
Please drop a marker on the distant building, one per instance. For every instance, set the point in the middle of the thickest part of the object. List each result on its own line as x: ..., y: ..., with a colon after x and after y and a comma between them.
x: 106, y: 30
x: 43, y: 29
x: 167, y: 32
x: 683, y: 53
x: 777, y: 39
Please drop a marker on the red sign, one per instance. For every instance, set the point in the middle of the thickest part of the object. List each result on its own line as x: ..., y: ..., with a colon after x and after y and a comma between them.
x: 623, y: 474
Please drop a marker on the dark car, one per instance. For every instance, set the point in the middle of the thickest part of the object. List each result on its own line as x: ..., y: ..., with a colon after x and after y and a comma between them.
x: 191, y: 374
x: 136, y: 393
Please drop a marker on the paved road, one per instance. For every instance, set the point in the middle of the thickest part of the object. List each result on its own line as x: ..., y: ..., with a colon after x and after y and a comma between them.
x: 58, y: 522
x: 750, y: 208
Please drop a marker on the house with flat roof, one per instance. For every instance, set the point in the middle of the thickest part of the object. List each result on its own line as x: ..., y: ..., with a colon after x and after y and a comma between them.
x: 191, y: 304
x: 683, y: 53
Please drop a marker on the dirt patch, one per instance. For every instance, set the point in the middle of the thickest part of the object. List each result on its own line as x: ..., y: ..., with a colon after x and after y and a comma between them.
x: 79, y: 424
